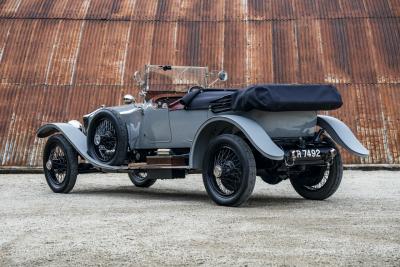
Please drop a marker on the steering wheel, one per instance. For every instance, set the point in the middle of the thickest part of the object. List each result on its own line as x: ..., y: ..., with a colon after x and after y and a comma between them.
x: 196, y: 87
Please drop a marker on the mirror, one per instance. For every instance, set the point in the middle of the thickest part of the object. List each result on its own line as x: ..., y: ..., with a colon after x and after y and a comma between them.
x: 138, y: 78
x: 223, y: 76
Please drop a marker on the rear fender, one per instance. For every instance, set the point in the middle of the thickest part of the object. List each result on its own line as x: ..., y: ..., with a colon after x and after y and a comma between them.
x: 342, y: 135
x: 215, y: 125
x: 76, y: 138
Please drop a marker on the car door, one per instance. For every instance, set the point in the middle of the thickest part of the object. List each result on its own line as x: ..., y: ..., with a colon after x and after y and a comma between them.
x: 155, y: 126
x: 184, y: 125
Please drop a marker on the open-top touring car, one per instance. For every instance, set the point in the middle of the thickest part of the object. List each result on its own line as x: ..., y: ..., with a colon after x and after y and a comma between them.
x: 229, y: 135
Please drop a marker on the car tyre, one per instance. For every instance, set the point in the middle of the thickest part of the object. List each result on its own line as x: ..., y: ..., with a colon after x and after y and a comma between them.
x: 138, y: 178
x: 108, y: 129
x: 319, y: 182
x: 229, y: 170
x: 60, y: 164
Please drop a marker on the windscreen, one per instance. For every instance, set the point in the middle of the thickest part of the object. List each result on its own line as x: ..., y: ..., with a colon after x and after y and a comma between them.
x: 174, y: 78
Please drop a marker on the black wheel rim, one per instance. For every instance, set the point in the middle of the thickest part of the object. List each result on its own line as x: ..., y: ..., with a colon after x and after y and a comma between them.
x: 105, y: 140
x: 56, y: 165
x: 225, y: 171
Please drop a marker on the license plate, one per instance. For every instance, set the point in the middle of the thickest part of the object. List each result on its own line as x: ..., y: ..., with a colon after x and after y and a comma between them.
x: 306, y: 153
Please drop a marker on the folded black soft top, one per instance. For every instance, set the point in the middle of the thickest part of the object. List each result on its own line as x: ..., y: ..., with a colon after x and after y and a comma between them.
x: 281, y: 97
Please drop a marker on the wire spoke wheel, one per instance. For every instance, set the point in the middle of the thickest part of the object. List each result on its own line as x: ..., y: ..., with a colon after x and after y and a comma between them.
x: 229, y: 170
x: 57, y: 165
x: 107, y: 137
x: 226, y: 171
x: 60, y: 164
x: 105, y: 140
x: 140, y: 175
x: 320, y: 182
x: 140, y: 178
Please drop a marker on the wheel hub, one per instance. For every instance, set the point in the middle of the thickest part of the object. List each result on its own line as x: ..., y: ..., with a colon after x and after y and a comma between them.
x: 217, y: 171
x: 49, y: 165
x: 226, y: 170
x: 56, y: 165
x: 97, y: 139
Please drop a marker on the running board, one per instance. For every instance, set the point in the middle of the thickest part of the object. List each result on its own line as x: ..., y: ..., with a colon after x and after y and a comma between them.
x: 141, y: 166
x: 160, y: 171
x: 145, y: 166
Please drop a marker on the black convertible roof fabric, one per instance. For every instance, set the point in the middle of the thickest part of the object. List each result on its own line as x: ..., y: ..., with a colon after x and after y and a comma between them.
x: 282, y: 97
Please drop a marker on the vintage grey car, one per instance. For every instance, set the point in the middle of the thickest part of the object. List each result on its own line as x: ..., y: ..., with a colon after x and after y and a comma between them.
x: 183, y: 125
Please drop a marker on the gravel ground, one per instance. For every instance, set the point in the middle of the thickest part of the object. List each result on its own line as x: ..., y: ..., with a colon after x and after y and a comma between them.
x: 107, y: 221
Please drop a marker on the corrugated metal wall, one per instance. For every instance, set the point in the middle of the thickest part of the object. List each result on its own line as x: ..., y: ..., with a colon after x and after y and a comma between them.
x: 60, y: 59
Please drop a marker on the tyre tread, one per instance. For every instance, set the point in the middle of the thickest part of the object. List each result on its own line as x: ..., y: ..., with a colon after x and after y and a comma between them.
x: 144, y: 184
x: 251, y: 179
x: 324, y: 192
x: 72, y: 159
x: 122, y: 134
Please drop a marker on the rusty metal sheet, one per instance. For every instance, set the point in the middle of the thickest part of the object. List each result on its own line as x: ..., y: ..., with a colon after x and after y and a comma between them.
x: 8, y: 8
x: 260, y: 51
x: 19, y: 135
x: 285, y: 54
x: 371, y: 110
x: 197, y: 10
x: 352, y: 8
x: 283, y: 9
x: 119, y: 10
x: 101, y: 56
x: 347, y: 115
x: 138, y: 53
x: 168, y: 10
x: 71, y: 56
x: 41, y: 8
x: 235, y: 10
x: 201, y: 10
x: 51, y: 9
x: 188, y: 44
x: 64, y: 52
x: 145, y: 10
x: 211, y: 49
x: 38, y: 51
x: 27, y: 51
x: 381, y: 8
x: 335, y: 47
x: 75, y: 9
x: 5, y: 29
x: 385, y: 35
x: 14, y: 51
x: 389, y: 98
x: 329, y: 8
x: 362, y: 67
x: 395, y: 5
x: 235, y: 54
x: 309, y: 47
x: 164, y: 43
x: 7, y: 96
x: 370, y: 123
x: 18, y: 145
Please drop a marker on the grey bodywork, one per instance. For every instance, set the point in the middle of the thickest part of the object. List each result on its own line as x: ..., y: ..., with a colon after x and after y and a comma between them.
x: 77, y: 140
x: 342, y: 135
x: 150, y: 127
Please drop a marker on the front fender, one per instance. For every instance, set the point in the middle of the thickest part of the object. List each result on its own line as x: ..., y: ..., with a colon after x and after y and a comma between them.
x: 76, y: 138
x: 342, y: 135
x: 251, y: 129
